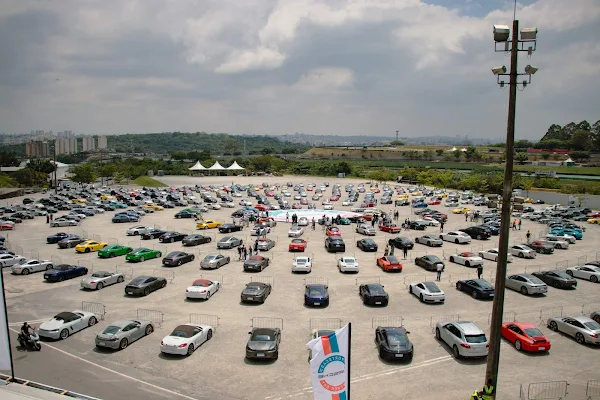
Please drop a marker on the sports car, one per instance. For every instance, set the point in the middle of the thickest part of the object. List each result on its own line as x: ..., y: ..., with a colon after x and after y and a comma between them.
x: 556, y: 278
x: 427, y: 292
x: 90, y: 245
x: 430, y: 263
x: 202, y: 289
x: 64, y: 271
x: 177, y: 258
x: 464, y: 338
x: 265, y: 244
x: 365, y: 230
x: 333, y: 231
x: 142, y: 254
x: 138, y: 230
x: 171, y: 237
x: 295, y: 231
x: 568, y: 238
x: 525, y: 336
x: 467, y: 259
x: 335, y: 244
x: 214, y: 261
x: 522, y: 251
x: 347, y: 264
x: 389, y: 227
x: 152, y: 234
x: 228, y: 228
x: 303, y: 221
x: 478, y: 288
x: 53, y: 239
x: 63, y: 222
x: 541, y: 247
x: 556, y: 242
x: 100, y: 279
x: 195, y: 239
x: 144, y: 285
x: 583, y: 329
x: 185, y: 339
x: 589, y: 272
x: 401, y: 242
x: 389, y: 263
x: 263, y: 344
x: 153, y: 207
x: 120, y: 334
x: 260, y: 230
x: 393, y: 343
x: 302, y: 264
x: 566, y: 231
x: 208, y: 224
x: 114, y: 250
x: 29, y: 266
x: 297, y: 245
x: 255, y: 292
x: 66, y: 323
x: 367, y: 245
x: 526, y: 284
x: 316, y: 295
x: 428, y: 221
x: 462, y: 210
x: 373, y: 294
x: 345, y: 221
x: 256, y: 263
x: 492, y: 254
x: 213, y: 206
x: 8, y: 260
x: 184, y: 214
x: 229, y: 242
x: 429, y: 240
x: 125, y: 218
x: 456, y: 237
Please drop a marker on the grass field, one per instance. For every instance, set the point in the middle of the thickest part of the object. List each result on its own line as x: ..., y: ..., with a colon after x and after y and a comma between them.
x: 147, y: 181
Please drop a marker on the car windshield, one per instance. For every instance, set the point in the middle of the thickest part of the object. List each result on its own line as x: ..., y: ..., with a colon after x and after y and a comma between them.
x: 431, y: 287
x: 535, y: 281
x: 111, y: 330
x: 561, y: 274
x: 434, y: 259
x: 592, y: 325
x: 475, y: 338
x: 180, y: 334
x: 99, y: 274
x: 376, y: 289
x: 62, y: 267
x: 301, y: 260
x: 396, y: 339
x: 483, y: 284
x: 533, y: 332
x: 349, y: 260
x: 392, y: 259
x: 261, y: 338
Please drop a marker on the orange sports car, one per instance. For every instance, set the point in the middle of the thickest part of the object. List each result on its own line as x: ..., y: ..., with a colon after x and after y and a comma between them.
x: 389, y: 263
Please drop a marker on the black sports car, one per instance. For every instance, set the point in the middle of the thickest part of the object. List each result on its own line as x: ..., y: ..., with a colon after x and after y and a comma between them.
x: 316, y: 295
x: 57, y: 237
x: 401, y: 242
x: 477, y: 232
x: 558, y: 279
x: 228, y: 228
x: 393, y: 343
x: 334, y: 244
x: 176, y: 258
x: 64, y: 271
x: 540, y: 247
x: 367, y: 245
x: 430, y: 263
x: 153, y: 234
x: 171, y: 237
x: 124, y: 218
x: 256, y: 263
x: 478, y: 288
x: 194, y: 240
x: 263, y: 344
x: 70, y: 241
x: 417, y: 225
x: 184, y: 214
x: 255, y: 292
x: 143, y: 285
x: 373, y: 294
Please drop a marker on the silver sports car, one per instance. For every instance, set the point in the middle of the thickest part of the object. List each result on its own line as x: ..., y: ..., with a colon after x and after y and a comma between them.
x: 100, y: 279
x: 526, y: 284
x: 365, y: 230
x: 119, y: 334
x: 583, y: 329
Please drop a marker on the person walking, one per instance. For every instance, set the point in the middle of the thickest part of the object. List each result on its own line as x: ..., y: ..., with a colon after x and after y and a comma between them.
x: 51, y: 217
x: 373, y: 222
x: 387, y: 250
x: 256, y: 247
x: 479, y: 271
x: 466, y: 217
x: 439, y: 269
x: 313, y: 223
x: 250, y: 250
x: 514, y: 225
x: 528, y: 235
x: 519, y: 224
x: 287, y: 216
x: 405, y: 252
x: 244, y: 253
x: 442, y: 226
x: 48, y: 218
x: 239, y: 249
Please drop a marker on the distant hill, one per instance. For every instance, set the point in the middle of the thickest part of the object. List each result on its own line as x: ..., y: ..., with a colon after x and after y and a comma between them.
x: 371, y: 140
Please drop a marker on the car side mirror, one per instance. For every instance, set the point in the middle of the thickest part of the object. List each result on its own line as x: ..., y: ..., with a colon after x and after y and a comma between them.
x: 382, y: 286
x: 249, y: 333
x: 407, y: 332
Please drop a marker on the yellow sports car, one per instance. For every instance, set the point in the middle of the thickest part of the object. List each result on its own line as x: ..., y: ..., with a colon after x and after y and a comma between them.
x: 208, y: 224
x: 402, y: 197
x: 463, y: 210
x: 417, y: 193
x: 593, y: 221
x: 90, y: 245
x: 528, y: 200
x: 79, y: 201
x: 154, y: 207
x: 106, y: 197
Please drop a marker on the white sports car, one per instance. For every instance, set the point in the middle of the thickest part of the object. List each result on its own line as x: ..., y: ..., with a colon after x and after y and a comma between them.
x: 202, y: 289
x: 347, y: 203
x: 451, y: 203
x: 589, y: 272
x: 428, y: 221
x: 302, y: 264
x: 228, y: 204
x: 100, y: 279
x: 522, y: 251
x: 303, y: 221
x: 8, y: 260
x: 29, y: 266
x: 348, y: 264
x: 456, y: 237
x: 467, y: 259
x: 427, y: 292
x: 214, y: 206
x: 67, y: 323
x: 185, y: 339
x: 492, y: 254
x: 556, y: 242
x: 295, y: 231
x: 244, y: 203
x: 583, y: 329
x: 568, y: 238
x: 138, y: 230
x: 328, y: 207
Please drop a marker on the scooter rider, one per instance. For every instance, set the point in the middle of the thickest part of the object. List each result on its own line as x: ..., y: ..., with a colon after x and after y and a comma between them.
x: 25, y: 331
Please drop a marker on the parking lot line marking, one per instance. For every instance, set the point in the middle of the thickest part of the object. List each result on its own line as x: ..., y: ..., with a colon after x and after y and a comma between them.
x: 370, y: 376
x: 34, y: 321
x: 117, y: 373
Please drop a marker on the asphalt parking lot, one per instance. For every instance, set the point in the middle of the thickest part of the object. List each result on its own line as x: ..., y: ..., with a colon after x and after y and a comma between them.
x: 218, y: 369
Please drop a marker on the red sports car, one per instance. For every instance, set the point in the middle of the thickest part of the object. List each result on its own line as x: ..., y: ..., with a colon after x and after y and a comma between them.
x: 389, y: 228
x: 389, y: 263
x: 296, y: 206
x: 593, y: 215
x: 262, y: 207
x: 334, y: 198
x: 525, y: 336
x: 333, y: 231
x: 297, y: 245
x: 434, y: 202
x: 6, y: 227
x: 270, y: 193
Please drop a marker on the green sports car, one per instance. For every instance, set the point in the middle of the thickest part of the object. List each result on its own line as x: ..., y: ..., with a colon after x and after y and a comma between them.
x: 114, y: 250
x: 143, y: 254
x: 345, y: 221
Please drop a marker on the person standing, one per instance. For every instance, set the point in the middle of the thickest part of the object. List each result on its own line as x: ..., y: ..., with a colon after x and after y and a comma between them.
x: 48, y: 218
x: 244, y: 253
x: 466, y: 217
x: 239, y: 252
x: 405, y: 252
x: 442, y: 226
x: 528, y: 235
x: 479, y: 271
x: 250, y: 250
x: 519, y: 224
x: 439, y: 269
x: 51, y: 217
x: 387, y: 250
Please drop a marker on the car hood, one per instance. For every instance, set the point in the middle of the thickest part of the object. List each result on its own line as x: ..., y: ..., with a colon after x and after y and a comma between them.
x: 90, y: 279
x: 51, y: 325
x: 174, y: 340
x: 53, y: 272
x: 251, y: 291
x: 252, y: 262
x: 252, y: 345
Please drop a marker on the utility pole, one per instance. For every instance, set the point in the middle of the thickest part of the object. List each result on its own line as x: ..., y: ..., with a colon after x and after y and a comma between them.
x: 397, y: 135
x: 55, y: 168
x: 501, y: 35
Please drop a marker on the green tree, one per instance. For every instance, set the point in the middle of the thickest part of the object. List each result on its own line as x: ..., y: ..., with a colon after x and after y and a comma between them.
x: 457, y: 153
x: 397, y: 143
x: 382, y: 175
x: 523, y: 144
x: 521, y: 157
x: 84, y: 173
x: 546, y: 156
x: 580, y: 140
x: 343, y: 168
x: 8, y: 159
x: 439, y: 152
x: 40, y: 165
x: 267, y: 150
x: 580, y: 155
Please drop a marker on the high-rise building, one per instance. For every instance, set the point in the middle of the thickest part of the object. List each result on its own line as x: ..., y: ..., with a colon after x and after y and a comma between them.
x: 37, y: 149
x: 88, y: 143
x: 73, y: 148
x: 102, y: 143
x: 66, y: 146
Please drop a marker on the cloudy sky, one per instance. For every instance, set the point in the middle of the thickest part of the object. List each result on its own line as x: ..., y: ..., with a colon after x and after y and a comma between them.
x: 283, y: 66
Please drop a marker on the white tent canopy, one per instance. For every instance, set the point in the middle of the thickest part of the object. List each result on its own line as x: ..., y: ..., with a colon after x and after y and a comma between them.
x: 235, y: 166
x: 197, y: 167
x: 216, y: 166
x: 452, y: 149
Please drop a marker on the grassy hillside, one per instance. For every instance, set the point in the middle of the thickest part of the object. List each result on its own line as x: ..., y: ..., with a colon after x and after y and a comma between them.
x: 147, y: 181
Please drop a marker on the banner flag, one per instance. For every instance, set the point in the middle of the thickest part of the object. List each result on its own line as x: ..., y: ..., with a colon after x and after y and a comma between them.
x: 330, y: 365
x: 5, y: 355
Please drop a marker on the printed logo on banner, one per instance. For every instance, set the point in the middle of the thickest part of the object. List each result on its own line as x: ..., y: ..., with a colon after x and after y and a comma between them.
x: 328, y: 367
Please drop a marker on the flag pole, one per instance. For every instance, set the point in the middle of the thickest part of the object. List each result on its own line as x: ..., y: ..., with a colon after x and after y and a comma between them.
x: 349, y: 354
x: 12, y: 367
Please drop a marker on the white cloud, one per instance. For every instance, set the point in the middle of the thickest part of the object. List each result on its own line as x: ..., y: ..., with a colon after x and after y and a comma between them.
x: 260, y: 58
x: 325, y: 79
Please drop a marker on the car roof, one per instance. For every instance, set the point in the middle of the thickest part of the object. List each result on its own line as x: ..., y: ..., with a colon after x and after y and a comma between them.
x: 468, y: 328
x: 581, y: 319
x: 121, y: 323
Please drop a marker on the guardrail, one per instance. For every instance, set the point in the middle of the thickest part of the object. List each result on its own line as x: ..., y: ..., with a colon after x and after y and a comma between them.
x: 48, y: 388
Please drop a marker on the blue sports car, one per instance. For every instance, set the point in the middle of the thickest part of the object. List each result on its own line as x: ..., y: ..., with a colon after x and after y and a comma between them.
x: 577, y: 233
x: 478, y: 288
x: 63, y: 272
x: 57, y: 237
x: 419, y: 205
x: 316, y: 295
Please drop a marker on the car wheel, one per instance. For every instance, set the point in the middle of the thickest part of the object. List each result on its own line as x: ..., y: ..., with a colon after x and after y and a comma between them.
x: 438, y: 336
x: 146, y: 291
x: 163, y: 284
x: 120, y: 279
x: 521, y: 255
x: 123, y: 344
x: 87, y: 250
x: 451, y: 259
x: 61, y: 278
x: 594, y: 279
x: 495, y: 259
x: 135, y: 233
x: 467, y: 264
x: 64, y: 334
x: 556, y: 284
x: 456, y: 352
x: 553, y: 325
x: 474, y: 294
x: 421, y: 298
x: 142, y: 259
x: 208, y: 295
x: 428, y: 243
x: 524, y: 290
x: 179, y: 263
x: 99, y: 286
x: 25, y: 272
x: 92, y: 321
x: 209, y: 335
x: 518, y: 345
x: 149, y: 330
x: 580, y: 339
x: 459, y: 286
x: 410, y: 290
x: 456, y: 241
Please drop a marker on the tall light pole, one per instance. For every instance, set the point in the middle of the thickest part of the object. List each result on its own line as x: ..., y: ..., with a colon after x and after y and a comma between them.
x: 526, y: 43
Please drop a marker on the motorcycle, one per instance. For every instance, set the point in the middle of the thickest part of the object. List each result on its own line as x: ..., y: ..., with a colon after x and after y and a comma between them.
x: 33, y: 343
